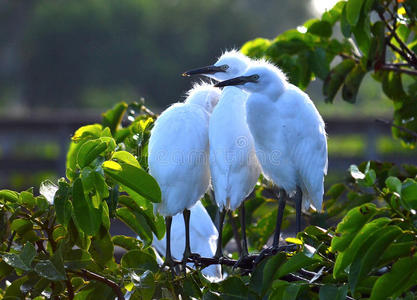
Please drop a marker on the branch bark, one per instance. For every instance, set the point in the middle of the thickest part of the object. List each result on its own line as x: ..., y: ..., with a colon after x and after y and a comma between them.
x: 93, y: 276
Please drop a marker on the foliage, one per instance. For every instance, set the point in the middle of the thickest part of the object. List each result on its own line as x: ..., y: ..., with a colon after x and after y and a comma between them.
x: 58, y: 245
x: 64, y: 249
x: 353, y: 38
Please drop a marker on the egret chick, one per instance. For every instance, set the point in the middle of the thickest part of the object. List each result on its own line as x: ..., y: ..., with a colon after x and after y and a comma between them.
x: 233, y: 163
x: 178, y: 157
x: 289, y: 135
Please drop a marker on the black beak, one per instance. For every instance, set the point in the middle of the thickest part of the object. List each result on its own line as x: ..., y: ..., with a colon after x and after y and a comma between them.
x: 235, y: 81
x: 204, y: 70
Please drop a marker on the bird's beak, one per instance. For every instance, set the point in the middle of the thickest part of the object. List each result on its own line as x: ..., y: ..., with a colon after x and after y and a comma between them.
x: 235, y: 81
x: 205, y: 70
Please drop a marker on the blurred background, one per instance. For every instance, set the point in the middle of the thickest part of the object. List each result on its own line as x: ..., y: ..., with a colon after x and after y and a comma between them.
x: 62, y: 63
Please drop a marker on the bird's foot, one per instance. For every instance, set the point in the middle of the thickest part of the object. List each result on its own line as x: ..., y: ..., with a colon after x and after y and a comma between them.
x: 270, y: 251
x: 244, y: 262
x: 171, y: 264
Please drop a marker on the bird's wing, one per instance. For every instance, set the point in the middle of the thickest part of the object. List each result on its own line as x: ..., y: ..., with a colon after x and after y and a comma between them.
x: 308, y: 144
x: 178, y: 156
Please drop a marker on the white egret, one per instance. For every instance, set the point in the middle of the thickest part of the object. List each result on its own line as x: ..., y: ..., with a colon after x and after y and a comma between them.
x: 178, y: 157
x: 203, y: 238
x: 289, y: 135
x: 233, y: 163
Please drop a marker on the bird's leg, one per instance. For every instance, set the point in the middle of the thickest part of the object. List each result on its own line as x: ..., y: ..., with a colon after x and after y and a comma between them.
x: 219, y: 250
x: 244, y: 248
x: 298, y: 202
x: 244, y: 251
x: 168, y: 257
x: 187, y: 251
x: 282, y: 199
x: 281, y: 207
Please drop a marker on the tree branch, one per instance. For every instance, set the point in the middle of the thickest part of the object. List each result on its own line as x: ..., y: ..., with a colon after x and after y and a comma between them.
x: 390, y: 123
x: 395, y: 68
x: 410, y: 56
x: 92, y: 276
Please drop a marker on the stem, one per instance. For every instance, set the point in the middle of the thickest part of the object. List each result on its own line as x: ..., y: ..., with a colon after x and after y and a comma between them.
x: 390, y: 123
x: 395, y: 68
x: 70, y: 289
x: 93, y: 276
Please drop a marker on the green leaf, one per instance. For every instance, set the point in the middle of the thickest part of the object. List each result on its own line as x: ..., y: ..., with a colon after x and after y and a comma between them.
x: 364, y: 262
x: 362, y: 33
x: 126, y: 242
x: 401, y: 277
x: 353, y: 11
x: 320, y: 28
x: 365, y: 235
x: 319, y: 63
x: 333, y: 15
x: 76, y: 259
x: 409, y: 193
x: 134, y: 178
x: 8, y: 195
x: 347, y: 229
x: 21, y: 226
x: 87, y: 217
x: 393, y: 184
x: 28, y: 254
x: 145, y: 286
x: 47, y: 269
x: 352, y: 83
x: 137, y: 222
x: 102, y: 247
x: 295, y: 263
x: 92, y: 131
x: 113, y: 117
x: 335, y: 78
x: 344, y: 24
x: 15, y: 261
x: 256, y: 48
x: 125, y: 157
x: 397, y: 250
x: 137, y: 259
x: 89, y: 151
x: 13, y: 291
x: 269, y: 273
x: 332, y: 292
x: 233, y: 288
x: 63, y: 206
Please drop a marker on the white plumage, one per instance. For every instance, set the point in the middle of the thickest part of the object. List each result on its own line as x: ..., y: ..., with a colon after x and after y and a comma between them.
x: 289, y: 134
x: 288, y: 131
x: 178, y: 156
x: 233, y: 163
x: 178, y: 150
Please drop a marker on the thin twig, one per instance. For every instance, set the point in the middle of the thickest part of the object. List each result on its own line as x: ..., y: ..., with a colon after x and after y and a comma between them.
x: 397, y: 69
x: 93, y: 276
x: 403, y: 46
x: 10, y: 241
x: 70, y: 289
x: 390, y: 123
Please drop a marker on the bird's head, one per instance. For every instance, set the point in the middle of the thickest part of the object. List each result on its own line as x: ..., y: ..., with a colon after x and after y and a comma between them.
x: 260, y: 77
x: 205, y: 95
x: 231, y: 64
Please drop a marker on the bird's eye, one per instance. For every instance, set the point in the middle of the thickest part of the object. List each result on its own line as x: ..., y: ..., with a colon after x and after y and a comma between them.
x: 255, y: 77
x: 225, y: 67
